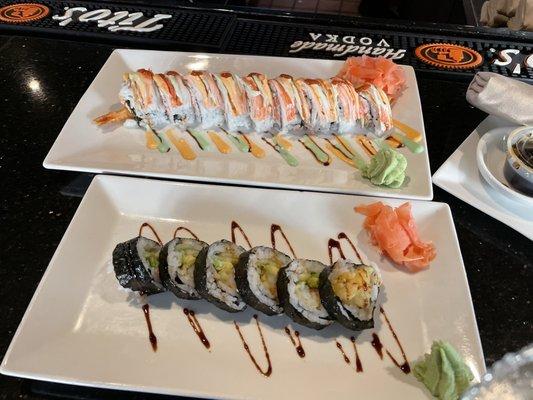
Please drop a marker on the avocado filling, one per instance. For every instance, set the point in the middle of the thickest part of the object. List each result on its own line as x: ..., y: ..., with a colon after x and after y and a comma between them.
x: 153, y: 259
x: 224, y: 264
x: 307, y: 290
x: 188, y: 255
x: 268, y: 273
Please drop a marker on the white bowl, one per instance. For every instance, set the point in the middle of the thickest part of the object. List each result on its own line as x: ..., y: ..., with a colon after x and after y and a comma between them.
x: 491, y: 158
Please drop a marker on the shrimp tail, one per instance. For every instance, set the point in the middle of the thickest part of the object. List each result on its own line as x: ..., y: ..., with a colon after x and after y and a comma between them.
x: 113, y: 116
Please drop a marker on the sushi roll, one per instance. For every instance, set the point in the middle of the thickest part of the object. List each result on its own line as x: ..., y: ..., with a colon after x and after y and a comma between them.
x: 379, y: 110
x: 256, y: 276
x: 350, y: 111
x: 315, y: 94
x: 136, y: 265
x: 141, y: 97
x: 207, y: 99
x: 178, y: 99
x: 235, y: 102
x: 286, y: 103
x: 260, y: 102
x: 214, y: 275
x: 177, y: 260
x: 349, y: 292
x: 298, y: 293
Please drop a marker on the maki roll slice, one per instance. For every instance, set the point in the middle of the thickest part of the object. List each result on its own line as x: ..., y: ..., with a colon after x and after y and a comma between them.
x: 256, y: 276
x: 214, y: 275
x: 136, y: 264
x: 349, y: 292
x: 177, y: 260
x: 299, y: 296
x: 379, y: 110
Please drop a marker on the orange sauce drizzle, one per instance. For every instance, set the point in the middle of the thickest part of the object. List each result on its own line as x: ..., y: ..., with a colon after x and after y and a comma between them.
x: 182, y: 146
x: 222, y: 146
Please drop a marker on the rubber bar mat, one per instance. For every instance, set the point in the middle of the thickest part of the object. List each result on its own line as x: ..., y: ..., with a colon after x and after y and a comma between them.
x: 140, y: 26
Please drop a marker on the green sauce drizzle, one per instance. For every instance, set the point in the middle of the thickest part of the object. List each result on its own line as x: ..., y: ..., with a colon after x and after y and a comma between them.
x: 239, y: 142
x: 320, y: 154
x: 200, y: 139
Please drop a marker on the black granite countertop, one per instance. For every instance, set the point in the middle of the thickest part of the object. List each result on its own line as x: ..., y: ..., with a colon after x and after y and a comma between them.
x: 35, y: 213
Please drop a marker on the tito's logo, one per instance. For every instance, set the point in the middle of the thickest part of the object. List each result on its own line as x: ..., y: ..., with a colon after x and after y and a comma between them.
x: 23, y: 12
x: 451, y: 56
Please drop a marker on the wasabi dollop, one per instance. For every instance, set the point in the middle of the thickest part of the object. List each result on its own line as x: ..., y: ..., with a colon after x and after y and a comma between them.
x: 386, y: 168
x: 444, y: 372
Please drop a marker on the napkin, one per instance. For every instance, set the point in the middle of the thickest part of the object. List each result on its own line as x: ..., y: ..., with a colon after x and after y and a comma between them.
x: 516, y: 14
x: 504, y: 97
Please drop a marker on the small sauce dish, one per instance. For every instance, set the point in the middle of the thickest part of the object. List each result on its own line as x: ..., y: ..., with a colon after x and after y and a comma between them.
x: 493, y: 158
x: 518, y: 169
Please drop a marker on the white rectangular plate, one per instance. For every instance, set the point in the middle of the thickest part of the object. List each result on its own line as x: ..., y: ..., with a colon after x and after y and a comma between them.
x: 82, y: 146
x: 80, y: 327
x: 460, y: 176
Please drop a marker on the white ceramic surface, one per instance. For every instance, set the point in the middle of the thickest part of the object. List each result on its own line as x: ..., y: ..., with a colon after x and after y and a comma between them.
x: 81, y: 328
x: 490, y: 156
x: 82, y: 146
x: 460, y: 176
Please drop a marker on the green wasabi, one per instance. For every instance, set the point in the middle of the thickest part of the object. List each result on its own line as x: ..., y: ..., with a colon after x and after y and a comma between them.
x: 444, y: 372
x: 386, y: 168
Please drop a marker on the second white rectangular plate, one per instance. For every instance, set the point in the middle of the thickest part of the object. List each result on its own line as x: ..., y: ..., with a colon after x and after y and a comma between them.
x: 82, y: 328
x: 82, y: 146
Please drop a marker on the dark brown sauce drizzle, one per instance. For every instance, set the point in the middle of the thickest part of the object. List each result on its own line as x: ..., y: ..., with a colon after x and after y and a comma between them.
x: 151, y: 336
x: 273, y: 229
x: 341, y: 349
x: 247, y: 141
x: 197, y: 328
x: 195, y: 138
x: 268, y: 372
x: 182, y: 228
x: 147, y: 225
x: 269, y: 143
x: 296, y: 342
x: 358, y: 364
x: 344, y: 236
x: 376, y: 344
x: 405, y: 367
x: 234, y: 226
x: 334, y: 244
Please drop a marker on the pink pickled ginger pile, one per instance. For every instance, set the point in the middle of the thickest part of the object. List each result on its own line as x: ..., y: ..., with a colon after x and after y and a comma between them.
x: 378, y: 71
x: 394, y: 231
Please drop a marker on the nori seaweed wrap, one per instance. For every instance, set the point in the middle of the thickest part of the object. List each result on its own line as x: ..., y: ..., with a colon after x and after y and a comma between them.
x: 299, y: 296
x: 214, y: 275
x: 349, y: 292
x: 136, y: 265
x: 256, y: 275
x: 177, y: 261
